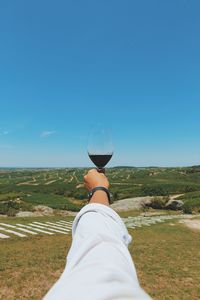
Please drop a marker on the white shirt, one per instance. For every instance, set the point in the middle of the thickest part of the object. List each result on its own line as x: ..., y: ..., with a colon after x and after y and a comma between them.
x: 99, y: 265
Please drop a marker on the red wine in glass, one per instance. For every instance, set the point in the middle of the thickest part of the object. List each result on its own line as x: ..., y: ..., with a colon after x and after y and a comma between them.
x: 100, y: 147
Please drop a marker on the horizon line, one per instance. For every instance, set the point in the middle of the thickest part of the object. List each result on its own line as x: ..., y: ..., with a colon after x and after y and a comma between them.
x: 89, y: 167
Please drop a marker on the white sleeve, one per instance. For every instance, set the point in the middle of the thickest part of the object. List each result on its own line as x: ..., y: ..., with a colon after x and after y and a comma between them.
x: 99, y: 265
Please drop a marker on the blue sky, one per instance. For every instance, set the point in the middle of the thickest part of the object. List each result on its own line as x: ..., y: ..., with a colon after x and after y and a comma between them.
x: 66, y: 65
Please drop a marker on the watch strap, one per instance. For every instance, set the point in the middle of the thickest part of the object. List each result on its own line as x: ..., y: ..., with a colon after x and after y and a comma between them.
x: 99, y: 188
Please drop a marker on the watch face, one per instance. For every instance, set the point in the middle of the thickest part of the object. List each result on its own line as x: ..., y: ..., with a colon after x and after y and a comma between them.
x: 89, y: 195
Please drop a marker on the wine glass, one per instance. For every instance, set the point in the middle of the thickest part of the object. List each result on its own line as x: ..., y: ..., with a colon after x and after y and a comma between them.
x: 100, y: 147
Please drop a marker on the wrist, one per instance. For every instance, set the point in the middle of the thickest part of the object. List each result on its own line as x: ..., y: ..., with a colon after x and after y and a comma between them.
x: 101, y: 197
x: 104, y: 196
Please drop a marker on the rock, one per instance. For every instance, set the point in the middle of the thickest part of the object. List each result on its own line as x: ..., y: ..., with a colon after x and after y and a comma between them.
x: 64, y: 213
x: 25, y: 214
x: 174, y: 204
x: 136, y: 203
x: 43, y: 210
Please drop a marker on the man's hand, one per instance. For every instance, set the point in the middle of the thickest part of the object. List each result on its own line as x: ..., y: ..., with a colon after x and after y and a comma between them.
x: 94, y: 179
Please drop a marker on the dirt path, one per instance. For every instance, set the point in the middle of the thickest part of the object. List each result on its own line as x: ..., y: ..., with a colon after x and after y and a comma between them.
x: 81, y: 185
x: 192, y: 224
x: 49, y: 182
x: 173, y: 197
x: 28, y: 183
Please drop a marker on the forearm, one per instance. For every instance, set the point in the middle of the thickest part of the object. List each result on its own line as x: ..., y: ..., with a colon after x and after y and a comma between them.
x: 100, y: 197
x: 98, y: 262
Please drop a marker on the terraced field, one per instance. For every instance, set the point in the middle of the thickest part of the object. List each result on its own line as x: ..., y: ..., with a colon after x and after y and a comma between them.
x: 62, y: 189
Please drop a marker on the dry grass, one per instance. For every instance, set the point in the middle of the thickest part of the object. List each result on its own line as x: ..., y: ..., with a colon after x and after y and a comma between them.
x: 30, y: 266
x: 166, y: 258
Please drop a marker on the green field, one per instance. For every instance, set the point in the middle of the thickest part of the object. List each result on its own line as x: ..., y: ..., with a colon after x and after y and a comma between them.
x: 22, y: 189
x: 166, y: 257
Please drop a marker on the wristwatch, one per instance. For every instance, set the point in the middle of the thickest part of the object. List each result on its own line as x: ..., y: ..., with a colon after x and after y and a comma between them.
x: 100, y: 188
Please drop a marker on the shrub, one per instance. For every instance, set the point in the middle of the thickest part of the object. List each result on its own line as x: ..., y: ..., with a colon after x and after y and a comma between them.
x: 153, y: 190
x: 158, y: 202
x: 191, y: 205
x: 11, y: 212
x: 80, y: 195
x: 11, y: 207
x: 187, y: 209
x: 73, y: 207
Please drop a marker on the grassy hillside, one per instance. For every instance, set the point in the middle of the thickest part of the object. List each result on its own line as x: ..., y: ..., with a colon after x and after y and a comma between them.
x: 166, y: 259
x: 63, y: 188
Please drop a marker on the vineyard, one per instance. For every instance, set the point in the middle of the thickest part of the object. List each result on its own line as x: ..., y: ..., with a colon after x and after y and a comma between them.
x: 62, y: 189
